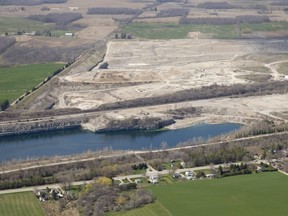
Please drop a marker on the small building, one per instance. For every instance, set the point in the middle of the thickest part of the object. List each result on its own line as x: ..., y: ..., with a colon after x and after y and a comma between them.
x: 190, y: 175
x: 73, y: 8
x: 69, y: 34
x: 41, y: 195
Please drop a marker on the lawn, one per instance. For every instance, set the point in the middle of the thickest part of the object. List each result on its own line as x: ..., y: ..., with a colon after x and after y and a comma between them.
x: 263, y: 194
x: 20, y: 204
x: 15, y: 24
x: 155, y: 209
x: 180, y: 31
x: 15, y: 81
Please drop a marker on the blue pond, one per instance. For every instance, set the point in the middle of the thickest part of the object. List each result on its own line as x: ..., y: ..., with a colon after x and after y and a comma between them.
x: 75, y: 141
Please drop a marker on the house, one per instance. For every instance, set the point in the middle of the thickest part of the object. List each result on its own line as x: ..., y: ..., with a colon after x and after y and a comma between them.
x: 190, y: 175
x: 41, y: 195
x: 56, y: 194
x: 153, y: 179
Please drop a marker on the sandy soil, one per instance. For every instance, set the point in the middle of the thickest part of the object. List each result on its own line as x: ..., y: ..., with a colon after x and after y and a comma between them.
x: 221, y: 110
x: 153, y: 68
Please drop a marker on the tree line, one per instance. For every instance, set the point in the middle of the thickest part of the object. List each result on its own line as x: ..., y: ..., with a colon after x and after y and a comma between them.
x: 67, y: 173
x: 205, y: 92
x: 173, y: 12
x: 104, y: 10
x: 58, y: 18
x: 30, y: 2
x: 224, y: 20
x: 263, y: 127
x: 216, y: 5
x: 4, y: 105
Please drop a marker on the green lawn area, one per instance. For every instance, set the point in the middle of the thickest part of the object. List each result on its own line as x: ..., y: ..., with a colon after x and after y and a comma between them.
x: 15, y: 81
x: 154, y: 209
x: 263, y: 194
x: 179, y: 31
x: 15, y: 24
x: 20, y: 204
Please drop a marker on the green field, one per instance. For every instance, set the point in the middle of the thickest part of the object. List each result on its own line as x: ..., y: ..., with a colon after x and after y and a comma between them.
x: 15, y: 24
x: 15, y: 81
x: 262, y: 194
x: 155, y: 209
x: 20, y: 204
x: 266, y: 27
x: 177, y: 31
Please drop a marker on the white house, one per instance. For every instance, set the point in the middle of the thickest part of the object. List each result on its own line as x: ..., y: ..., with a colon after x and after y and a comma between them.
x: 153, y: 179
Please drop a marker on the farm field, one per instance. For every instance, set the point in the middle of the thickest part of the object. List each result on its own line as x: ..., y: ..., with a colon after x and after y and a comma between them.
x: 24, y: 204
x: 15, y: 24
x: 260, y: 194
x: 257, y: 194
x: 20, y: 79
x: 178, y: 31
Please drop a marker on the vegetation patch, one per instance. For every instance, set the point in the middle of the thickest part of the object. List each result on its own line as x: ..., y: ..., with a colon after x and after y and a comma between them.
x: 58, y: 18
x: 283, y: 68
x: 24, y: 204
x: 256, y: 77
x: 239, y: 195
x: 265, y: 27
x: 180, y: 31
x: 15, y: 81
x: 30, y: 2
x: 20, y: 24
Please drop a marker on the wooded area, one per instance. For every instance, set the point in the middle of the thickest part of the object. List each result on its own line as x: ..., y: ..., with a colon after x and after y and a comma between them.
x: 58, y: 18
x: 104, y: 10
x: 30, y: 2
x: 6, y: 42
